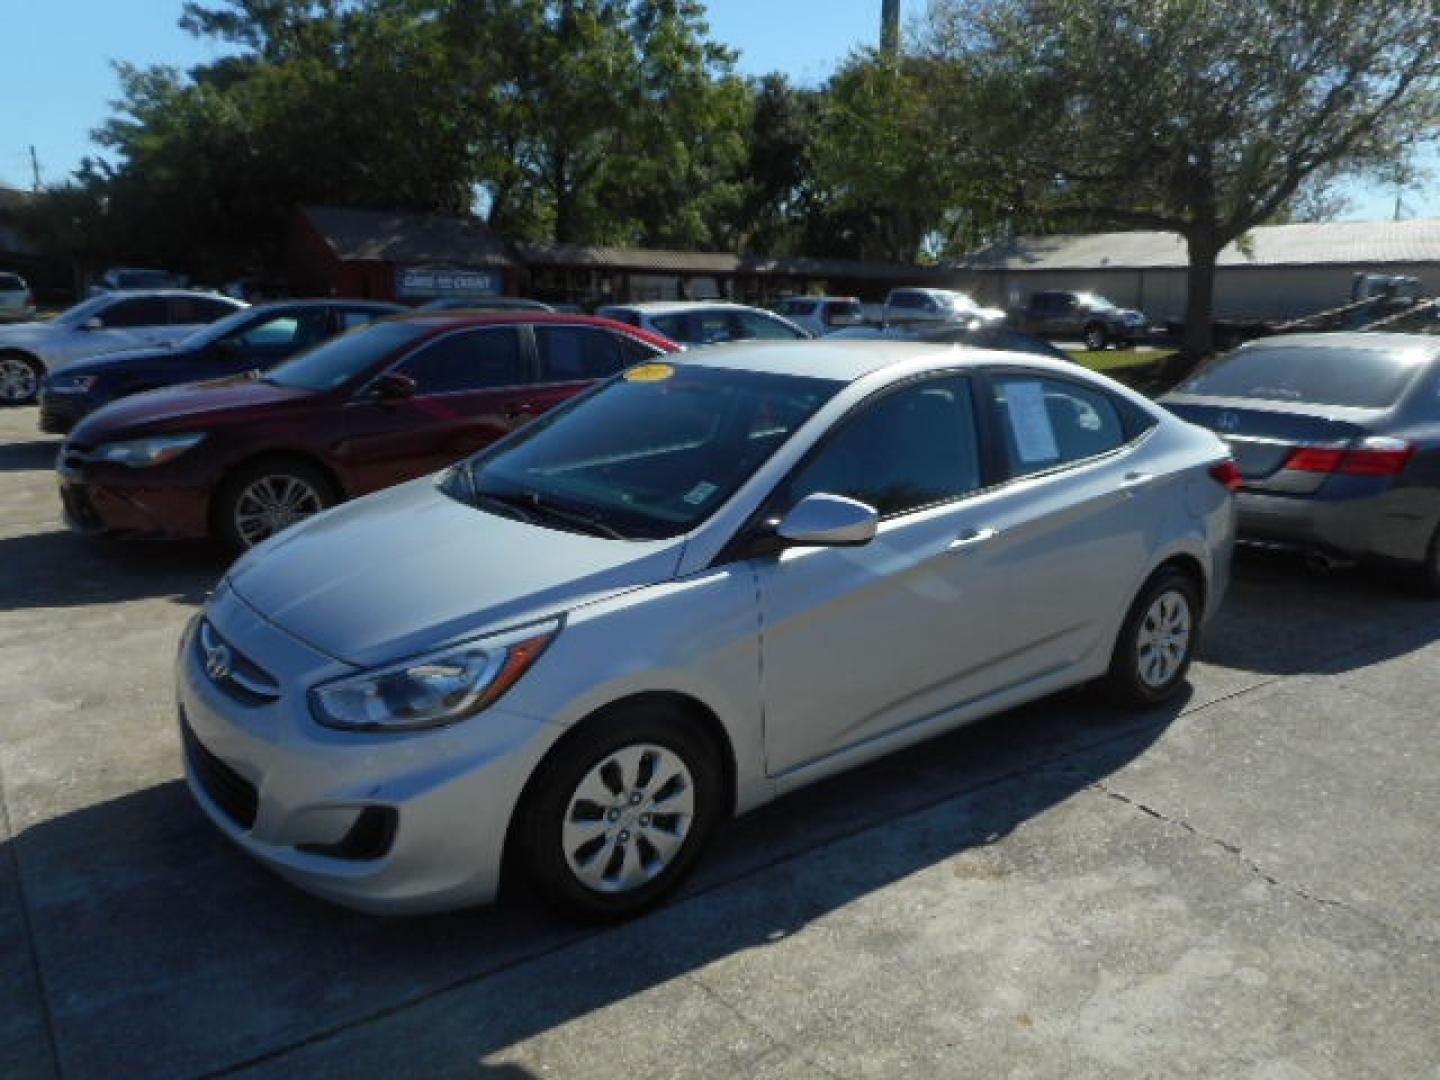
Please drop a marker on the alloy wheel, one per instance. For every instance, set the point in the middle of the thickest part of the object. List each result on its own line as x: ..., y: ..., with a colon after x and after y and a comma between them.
x: 1164, y: 639
x: 271, y: 503
x: 628, y: 818
x: 17, y: 381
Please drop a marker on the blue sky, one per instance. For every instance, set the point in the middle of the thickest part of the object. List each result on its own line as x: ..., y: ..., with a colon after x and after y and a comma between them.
x: 58, y: 81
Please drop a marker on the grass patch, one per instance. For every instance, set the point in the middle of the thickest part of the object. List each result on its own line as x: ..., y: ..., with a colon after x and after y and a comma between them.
x: 1108, y: 360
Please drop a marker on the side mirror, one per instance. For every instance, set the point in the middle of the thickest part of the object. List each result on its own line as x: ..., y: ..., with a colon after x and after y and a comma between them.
x: 392, y: 386
x: 823, y: 520
x: 92, y: 323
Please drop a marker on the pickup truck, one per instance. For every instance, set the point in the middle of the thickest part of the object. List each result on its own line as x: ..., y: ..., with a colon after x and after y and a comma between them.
x: 1085, y: 316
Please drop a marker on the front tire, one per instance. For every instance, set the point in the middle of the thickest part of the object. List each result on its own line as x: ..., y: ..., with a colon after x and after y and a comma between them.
x: 1157, y: 641
x: 1096, y: 337
x: 618, y: 815
x: 268, y: 497
x: 20, y: 376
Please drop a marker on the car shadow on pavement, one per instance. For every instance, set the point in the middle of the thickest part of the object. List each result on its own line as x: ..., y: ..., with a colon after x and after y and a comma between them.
x: 165, y: 950
x: 1282, y: 618
x: 36, y: 456
x: 61, y: 569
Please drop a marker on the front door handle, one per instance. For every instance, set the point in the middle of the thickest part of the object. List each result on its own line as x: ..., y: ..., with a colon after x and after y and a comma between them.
x: 1132, y: 482
x: 969, y: 538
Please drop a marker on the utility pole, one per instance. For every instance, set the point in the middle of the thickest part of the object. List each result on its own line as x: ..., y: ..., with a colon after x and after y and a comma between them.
x: 890, y: 27
x: 35, y: 167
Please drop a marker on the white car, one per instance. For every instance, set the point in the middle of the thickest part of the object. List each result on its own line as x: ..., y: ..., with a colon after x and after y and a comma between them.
x: 17, y: 302
x: 938, y: 305
x: 102, y: 324
x: 704, y: 322
x: 823, y: 315
x: 133, y: 278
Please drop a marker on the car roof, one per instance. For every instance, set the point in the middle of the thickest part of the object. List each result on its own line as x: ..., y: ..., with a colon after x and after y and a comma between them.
x: 849, y: 361
x: 1354, y: 339
x: 655, y: 306
x: 199, y: 294
x: 333, y: 301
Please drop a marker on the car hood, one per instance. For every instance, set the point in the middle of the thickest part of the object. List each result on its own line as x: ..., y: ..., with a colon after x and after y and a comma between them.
x: 111, y: 361
x: 188, y: 407
x: 26, y: 333
x: 409, y: 569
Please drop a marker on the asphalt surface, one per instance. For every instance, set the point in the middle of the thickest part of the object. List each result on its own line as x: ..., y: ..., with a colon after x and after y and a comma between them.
x: 1247, y: 884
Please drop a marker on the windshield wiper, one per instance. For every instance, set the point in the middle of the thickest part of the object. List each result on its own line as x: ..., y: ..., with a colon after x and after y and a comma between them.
x: 531, y: 508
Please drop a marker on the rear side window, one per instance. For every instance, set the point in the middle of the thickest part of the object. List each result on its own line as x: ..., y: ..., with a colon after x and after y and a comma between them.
x: 576, y: 353
x: 197, y: 309
x: 353, y: 317
x: 1047, y: 423
x: 1315, y: 375
x: 908, y: 301
x: 470, y: 360
x: 797, y: 308
x: 844, y: 313
x: 696, y: 327
x: 912, y: 448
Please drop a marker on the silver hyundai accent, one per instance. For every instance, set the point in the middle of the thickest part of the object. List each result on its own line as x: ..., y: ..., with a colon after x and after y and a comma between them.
x: 693, y: 589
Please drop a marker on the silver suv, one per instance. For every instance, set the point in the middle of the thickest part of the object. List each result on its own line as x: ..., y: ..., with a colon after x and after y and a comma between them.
x: 938, y: 305
x: 822, y: 315
x: 17, y: 302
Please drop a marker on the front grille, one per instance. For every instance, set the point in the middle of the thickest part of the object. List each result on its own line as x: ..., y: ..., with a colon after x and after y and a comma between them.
x: 227, y: 789
x: 231, y: 670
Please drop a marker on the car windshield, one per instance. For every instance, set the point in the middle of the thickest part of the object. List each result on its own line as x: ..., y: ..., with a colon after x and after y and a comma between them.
x: 229, y: 324
x: 74, y: 316
x: 957, y: 301
x: 1363, y: 378
x: 334, y: 362
x: 1096, y: 301
x: 646, y: 456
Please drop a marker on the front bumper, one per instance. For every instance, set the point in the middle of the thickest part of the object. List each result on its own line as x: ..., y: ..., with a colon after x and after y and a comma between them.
x: 59, y: 413
x: 1393, y: 526
x: 277, y: 783
x: 113, y: 500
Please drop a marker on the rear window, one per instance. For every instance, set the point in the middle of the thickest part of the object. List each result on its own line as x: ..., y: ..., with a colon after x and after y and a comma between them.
x: 1358, y: 378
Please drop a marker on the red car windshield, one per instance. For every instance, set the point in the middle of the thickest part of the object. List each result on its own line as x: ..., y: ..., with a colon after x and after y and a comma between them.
x: 337, y: 361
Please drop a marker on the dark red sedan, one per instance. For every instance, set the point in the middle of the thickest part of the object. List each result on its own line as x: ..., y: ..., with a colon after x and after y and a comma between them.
x: 240, y: 459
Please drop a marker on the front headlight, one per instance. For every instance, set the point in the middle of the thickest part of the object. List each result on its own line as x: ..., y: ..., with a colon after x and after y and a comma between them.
x: 433, y: 690
x: 143, y: 453
x: 71, y: 384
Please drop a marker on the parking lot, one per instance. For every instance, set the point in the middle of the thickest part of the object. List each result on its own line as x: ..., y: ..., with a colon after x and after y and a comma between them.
x: 1243, y: 885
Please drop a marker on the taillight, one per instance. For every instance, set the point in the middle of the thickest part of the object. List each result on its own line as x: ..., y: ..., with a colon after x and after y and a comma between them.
x: 1227, y: 473
x: 1378, y: 455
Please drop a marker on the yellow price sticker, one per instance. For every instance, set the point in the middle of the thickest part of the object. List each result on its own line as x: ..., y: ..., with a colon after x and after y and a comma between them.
x: 650, y: 373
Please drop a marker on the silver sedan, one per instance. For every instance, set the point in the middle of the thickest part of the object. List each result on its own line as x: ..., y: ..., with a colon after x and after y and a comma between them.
x: 691, y: 590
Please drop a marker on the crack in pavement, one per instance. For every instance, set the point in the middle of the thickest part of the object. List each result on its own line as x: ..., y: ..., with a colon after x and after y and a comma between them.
x: 774, y: 1040
x: 1259, y: 871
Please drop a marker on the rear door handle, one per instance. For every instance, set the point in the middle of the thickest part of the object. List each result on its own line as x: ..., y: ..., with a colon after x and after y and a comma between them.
x: 969, y: 538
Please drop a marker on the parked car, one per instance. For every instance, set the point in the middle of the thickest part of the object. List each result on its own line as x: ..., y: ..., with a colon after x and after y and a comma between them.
x: 17, y: 302
x: 485, y: 303
x: 1083, y: 316
x: 691, y: 591
x: 106, y: 323
x: 704, y: 322
x: 988, y: 336
x: 937, y: 306
x: 1337, y: 437
x: 133, y: 278
x: 252, y: 339
x: 239, y: 459
x: 821, y: 315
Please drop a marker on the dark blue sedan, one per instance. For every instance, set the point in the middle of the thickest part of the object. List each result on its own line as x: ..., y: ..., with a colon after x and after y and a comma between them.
x: 256, y: 338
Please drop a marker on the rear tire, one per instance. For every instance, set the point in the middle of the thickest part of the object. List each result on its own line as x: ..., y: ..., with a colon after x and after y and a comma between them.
x: 1426, y: 579
x: 1157, y: 641
x: 20, y: 376
x: 617, y: 816
x: 267, y: 497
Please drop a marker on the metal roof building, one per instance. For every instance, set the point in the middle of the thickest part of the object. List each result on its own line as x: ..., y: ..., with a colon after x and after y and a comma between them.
x: 1276, y: 272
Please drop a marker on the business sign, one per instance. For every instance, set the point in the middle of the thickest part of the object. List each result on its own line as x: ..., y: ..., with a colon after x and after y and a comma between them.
x: 418, y: 284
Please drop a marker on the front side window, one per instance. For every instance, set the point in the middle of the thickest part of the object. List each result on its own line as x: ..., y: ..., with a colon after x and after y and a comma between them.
x: 1047, y: 423
x: 293, y: 330
x: 912, y: 448
x: 907, y: 301
x: 577, y: 353
x: 469, y: 360
x: 648, y: 455
x: 150, y: 311
x: 350, y: 318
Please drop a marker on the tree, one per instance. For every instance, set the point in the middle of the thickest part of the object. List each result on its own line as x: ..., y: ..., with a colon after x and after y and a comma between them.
x: 1199, y: 117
